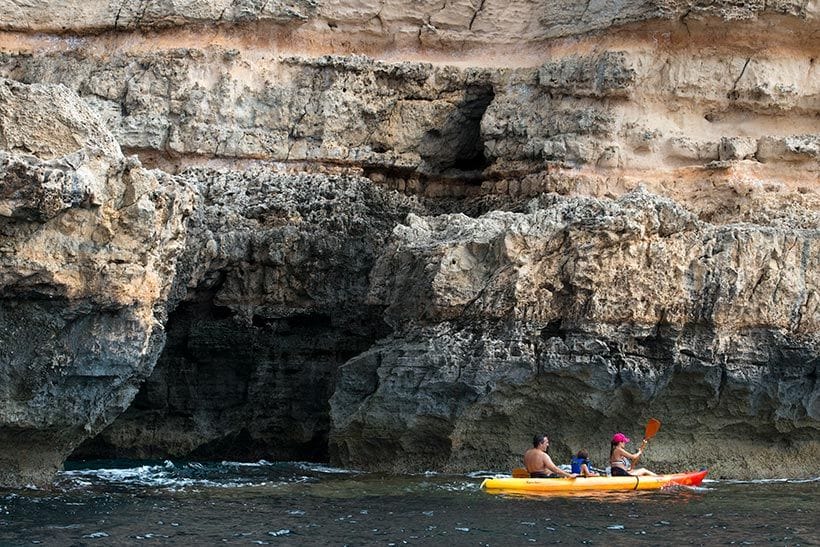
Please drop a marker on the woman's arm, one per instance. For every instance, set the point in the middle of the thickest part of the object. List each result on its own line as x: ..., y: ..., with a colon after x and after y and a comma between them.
x: 619, y: 453
x: 634, y: 456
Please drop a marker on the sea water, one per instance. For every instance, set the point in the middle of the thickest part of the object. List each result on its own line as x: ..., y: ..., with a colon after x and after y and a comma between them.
x: 263, y: 503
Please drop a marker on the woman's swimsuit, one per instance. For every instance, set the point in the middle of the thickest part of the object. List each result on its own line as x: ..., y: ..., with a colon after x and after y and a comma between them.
x: 620, y: 471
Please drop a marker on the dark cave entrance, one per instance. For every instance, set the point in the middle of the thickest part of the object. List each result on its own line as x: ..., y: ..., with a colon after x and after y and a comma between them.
x: 226, y: 390
x: 456, y: 149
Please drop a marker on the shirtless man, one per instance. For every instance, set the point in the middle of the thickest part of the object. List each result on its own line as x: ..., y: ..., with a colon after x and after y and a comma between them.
x: 539, y: 464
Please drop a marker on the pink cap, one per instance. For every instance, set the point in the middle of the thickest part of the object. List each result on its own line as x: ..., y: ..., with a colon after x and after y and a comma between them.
x: 620, y: 438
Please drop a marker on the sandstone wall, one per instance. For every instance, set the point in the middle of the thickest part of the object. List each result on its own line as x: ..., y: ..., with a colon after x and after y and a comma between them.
x: 613, y: 214
x: 676, y: 105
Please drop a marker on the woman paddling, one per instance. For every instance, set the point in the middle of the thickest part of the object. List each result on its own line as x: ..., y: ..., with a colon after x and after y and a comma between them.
x: 621, y: 461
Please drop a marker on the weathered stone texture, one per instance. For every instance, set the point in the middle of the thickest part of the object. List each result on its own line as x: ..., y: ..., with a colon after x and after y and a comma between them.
x: 89, y: 245
x: 281, y: 265
x: 580, y: 317
x: 96, y: 15
x: 429, y: 23
x: 618, y: 110
x: 631, y: 229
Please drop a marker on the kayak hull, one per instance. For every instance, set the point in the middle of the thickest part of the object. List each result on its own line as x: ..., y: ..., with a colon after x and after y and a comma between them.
x: 586, y: 484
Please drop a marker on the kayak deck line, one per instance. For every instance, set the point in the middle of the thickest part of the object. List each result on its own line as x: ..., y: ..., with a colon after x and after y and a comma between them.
x: 603, y: 483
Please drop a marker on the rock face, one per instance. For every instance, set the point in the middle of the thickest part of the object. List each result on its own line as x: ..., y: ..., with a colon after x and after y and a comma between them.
x: 281, y: 265
x: 402, y: 237
x: 90, y: 241
x: 581, y: 317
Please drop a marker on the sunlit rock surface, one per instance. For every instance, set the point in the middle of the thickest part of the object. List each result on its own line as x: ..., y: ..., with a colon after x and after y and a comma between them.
x: 409, y: 236
x: 90, y: 241
x: 585, y: 316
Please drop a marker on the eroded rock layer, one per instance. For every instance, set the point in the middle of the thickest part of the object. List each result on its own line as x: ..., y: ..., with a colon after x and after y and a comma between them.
x: 281, y: 268
x: 409, y: 236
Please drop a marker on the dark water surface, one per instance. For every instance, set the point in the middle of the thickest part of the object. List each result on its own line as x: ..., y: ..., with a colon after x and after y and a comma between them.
x: 189, y: 503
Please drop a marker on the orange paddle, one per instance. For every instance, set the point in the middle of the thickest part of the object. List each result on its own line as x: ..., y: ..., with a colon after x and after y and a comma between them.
x: 652, y: 427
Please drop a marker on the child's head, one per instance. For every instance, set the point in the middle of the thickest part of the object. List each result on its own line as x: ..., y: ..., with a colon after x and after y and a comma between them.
x: 583, y: 454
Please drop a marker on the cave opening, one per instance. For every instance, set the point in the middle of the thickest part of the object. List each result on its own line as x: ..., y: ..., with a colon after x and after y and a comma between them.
x: 456, y: 148
x: 226, y: 390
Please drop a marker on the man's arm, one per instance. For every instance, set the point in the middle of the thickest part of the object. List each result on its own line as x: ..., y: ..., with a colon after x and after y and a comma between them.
x: 555, y: 469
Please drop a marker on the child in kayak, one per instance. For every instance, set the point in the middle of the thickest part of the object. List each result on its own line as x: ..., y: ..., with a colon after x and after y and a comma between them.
x: 581, y: 465
x: 621, y: 461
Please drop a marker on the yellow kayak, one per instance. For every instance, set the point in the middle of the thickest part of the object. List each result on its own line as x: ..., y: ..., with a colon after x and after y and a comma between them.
x: 583, y: 484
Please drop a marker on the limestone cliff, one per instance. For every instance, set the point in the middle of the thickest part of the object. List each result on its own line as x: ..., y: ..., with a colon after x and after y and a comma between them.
x: 409, y: 236
x: 90, y: 242
x: 585, y: 316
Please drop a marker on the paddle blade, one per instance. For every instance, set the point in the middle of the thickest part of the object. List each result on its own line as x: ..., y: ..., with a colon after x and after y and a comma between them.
x: 652, y: 427
x: 520, y: 473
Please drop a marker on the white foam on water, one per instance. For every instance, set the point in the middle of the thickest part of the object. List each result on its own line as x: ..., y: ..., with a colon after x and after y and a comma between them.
x: 801, y: 481
x: 143, y: 474
x: 260, y: 463
x: 698, y: 488
x: 671, y: 488
x: 487, y: 474
x: 764, y: 481
x: 165, y: 476
x: 460, y: 486
x: 320, y: 468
